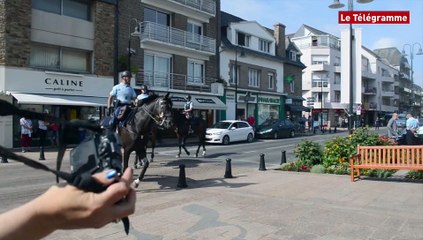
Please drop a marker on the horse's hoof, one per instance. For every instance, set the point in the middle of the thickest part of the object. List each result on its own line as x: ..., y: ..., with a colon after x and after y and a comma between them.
x: 151, y: 160
x: 188, y: 154
x: 136, y: 183
x: 178, y: 156
x: 196, y: 155
x: 204, y: 154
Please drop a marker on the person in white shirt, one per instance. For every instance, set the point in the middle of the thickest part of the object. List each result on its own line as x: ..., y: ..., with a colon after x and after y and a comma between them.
x: 26, y: 131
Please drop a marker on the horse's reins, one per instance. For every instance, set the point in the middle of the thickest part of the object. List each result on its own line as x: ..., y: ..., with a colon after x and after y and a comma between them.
x: 150, y: 115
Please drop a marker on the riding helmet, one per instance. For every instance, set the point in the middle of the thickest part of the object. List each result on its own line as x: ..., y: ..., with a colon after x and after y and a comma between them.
x: 188, y: 98
x: 126, y: 74
x: 144, y: 87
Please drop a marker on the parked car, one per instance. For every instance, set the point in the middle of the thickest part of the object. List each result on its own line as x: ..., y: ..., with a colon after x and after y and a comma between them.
x: 229, y: 131
x: 276, y: 128
x: 299, y: 127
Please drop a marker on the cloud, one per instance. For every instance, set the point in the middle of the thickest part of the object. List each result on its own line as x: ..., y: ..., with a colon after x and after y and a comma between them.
x: 384, y: 42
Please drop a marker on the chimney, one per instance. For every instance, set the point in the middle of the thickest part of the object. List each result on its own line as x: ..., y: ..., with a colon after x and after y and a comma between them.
x: 279, y: 34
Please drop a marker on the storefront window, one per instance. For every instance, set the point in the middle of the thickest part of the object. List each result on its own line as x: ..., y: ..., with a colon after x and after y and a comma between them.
x: 266, y: 112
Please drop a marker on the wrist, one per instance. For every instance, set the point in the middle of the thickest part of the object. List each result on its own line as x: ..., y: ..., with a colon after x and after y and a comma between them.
x: 46, y: 213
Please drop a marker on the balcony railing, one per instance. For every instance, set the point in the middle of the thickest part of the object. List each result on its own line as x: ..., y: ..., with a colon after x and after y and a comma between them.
x: 208, y: 6
x: 369, y: 90
x: 166, y: 81
x: 169, y: 35
x: 370, y: 105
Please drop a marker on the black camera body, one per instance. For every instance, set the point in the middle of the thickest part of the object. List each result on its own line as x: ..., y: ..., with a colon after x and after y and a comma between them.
x: 96, y: 153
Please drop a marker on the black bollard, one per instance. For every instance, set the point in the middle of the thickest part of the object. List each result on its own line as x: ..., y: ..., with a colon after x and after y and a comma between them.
x: 182, y: 181
x: 330, y: 130
x: 283, y: 157
x: 42, y: 153
x: 262, y: 164
x: 228, y: 171
x: 4, y: 159
x: 334, y: 130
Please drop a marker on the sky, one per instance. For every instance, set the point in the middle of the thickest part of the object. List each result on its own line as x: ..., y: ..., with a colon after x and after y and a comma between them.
x: 317, y: 14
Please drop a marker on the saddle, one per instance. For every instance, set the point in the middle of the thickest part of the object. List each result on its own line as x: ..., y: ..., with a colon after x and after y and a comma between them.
x: 123, y: 112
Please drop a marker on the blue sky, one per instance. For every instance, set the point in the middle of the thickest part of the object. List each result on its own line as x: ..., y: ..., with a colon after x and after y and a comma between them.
x: 316, y: 13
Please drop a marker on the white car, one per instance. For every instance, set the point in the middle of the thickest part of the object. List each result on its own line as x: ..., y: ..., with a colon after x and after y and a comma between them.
x: 230, y: 131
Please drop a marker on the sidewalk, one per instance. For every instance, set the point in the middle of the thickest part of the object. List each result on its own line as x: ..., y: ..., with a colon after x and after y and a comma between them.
x: 269, y: 205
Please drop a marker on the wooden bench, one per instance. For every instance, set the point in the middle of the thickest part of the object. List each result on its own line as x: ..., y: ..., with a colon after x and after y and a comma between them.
x: 387, y: 157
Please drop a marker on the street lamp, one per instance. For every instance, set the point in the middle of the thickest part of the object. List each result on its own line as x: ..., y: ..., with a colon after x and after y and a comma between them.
x: 136, y: 33
x: 321, y: 105
x: 116, y: 45
x: 335, y: 5
x: 236, y: 79
x: 420, y: 52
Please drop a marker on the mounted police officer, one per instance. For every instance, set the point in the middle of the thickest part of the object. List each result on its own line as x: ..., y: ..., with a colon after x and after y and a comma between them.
x: 144, y: 94
x: 124, y: 95
x: 188, y: 111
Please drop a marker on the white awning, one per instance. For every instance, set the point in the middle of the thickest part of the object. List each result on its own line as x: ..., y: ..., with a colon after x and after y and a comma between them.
x: 43, y: 99
x: 199, y: 102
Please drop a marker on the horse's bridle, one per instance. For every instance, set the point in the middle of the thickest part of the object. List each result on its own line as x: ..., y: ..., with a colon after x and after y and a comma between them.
x: 160, y: 119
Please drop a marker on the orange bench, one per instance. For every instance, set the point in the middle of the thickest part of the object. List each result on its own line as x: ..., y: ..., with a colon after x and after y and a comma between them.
x: 387, y: 157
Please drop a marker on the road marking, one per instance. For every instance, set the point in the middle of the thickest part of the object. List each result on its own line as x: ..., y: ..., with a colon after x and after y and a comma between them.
x: 249, y: 152
x: 289, y: 145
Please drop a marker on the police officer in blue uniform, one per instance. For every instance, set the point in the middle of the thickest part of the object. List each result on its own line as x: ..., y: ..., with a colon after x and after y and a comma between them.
x: 188, y: 111
x: 124, y: 95
x: 144, y: 94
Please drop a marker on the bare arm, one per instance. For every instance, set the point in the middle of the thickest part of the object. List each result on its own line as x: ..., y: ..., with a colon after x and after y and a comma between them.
x: 68, y: 207
x: 109, y: 101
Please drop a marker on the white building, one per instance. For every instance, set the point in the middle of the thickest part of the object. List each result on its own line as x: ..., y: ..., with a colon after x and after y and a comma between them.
x: 326, y: 80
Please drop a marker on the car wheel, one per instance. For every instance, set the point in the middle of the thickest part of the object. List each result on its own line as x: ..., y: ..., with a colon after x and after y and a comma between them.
x: 225, y: 140
x: 292, y: 133
x: 275, y: 135
x: 250, y: 137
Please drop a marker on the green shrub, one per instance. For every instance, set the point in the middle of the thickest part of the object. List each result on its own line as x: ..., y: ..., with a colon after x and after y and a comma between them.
x: 297, y: 166
x: 363, y: 137
x: 286, y: 167
x: 337, y: 151
x: 318, y: 169
x: 308, y: 153
x: 415, y: 174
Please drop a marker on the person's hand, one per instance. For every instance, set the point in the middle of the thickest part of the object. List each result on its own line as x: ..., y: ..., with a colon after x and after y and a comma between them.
x: 68, y: 207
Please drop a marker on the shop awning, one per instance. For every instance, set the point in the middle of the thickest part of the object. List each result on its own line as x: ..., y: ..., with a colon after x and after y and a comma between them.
x: 44, y: 99
x: 199, y: 102
x: 297, y: 108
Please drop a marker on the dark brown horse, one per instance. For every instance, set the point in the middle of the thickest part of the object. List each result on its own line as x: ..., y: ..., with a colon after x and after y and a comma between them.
x: 153, y: 140
x: 156, y: 110
x: 199, y: 127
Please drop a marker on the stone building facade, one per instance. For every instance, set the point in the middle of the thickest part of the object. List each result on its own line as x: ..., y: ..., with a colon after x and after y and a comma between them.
x: 55, y: 58
x: 174, y: 50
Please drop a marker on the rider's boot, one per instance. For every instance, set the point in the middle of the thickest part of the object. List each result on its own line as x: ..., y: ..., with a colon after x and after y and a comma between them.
x: 113, y: 126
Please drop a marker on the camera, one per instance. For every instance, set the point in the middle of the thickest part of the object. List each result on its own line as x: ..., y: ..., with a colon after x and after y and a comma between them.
x: 98, y: 151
